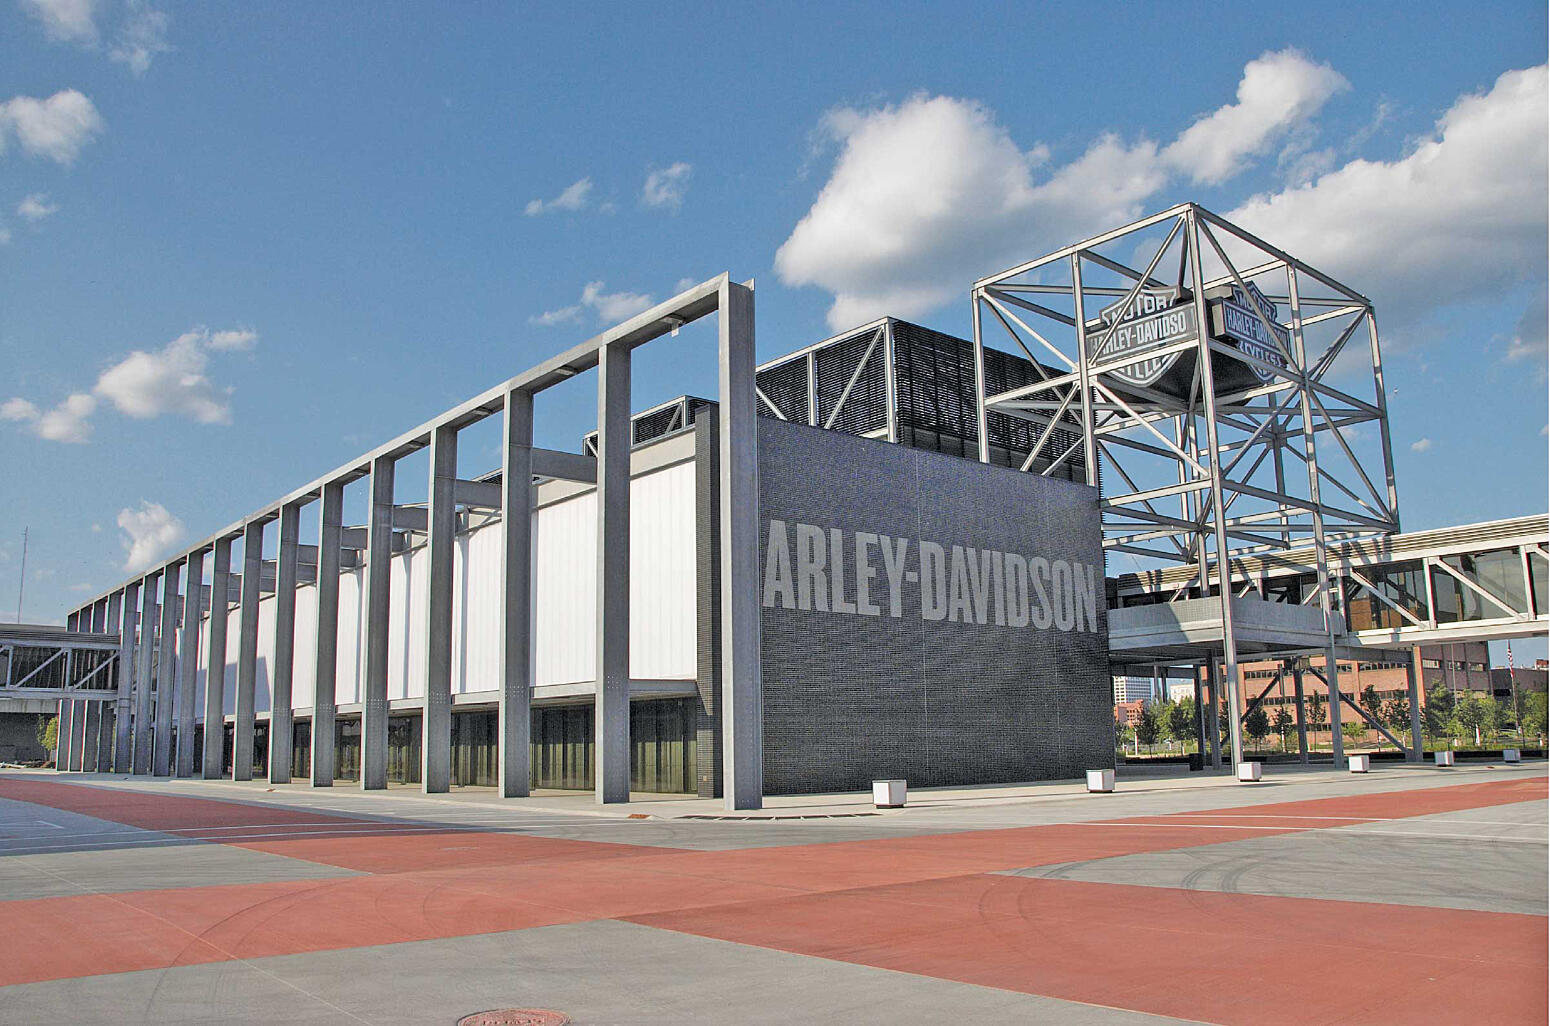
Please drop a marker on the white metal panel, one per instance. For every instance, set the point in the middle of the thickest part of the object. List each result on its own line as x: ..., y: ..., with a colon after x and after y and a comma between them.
x: 304, y: 672
x: 565, y: 591
x: 662, y: 575
x: 199, y: 675
x: 662, y: 582
x: 476, y: 611
x: 349, y: 661
x: 263, y: 679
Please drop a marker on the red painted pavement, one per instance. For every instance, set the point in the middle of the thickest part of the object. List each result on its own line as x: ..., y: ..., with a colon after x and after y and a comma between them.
x: 1229, y: 958
x: 922, y: 904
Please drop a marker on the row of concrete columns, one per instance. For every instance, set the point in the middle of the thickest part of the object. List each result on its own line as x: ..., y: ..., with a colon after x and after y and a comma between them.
x: 144, y: 723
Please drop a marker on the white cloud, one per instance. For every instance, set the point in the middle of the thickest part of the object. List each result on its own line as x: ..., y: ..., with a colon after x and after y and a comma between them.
x: 18, y: 409
x: 70, y: 21
x: 1421, y: 445
x: 56, y: 128
x: 564, y: 315
x: 36, y: 207
x: 665, y: 187
x: 142, y: 36
x: 610, y: 307
x: 1529, y: 340
x: 69, y: 422
x: 573, y: 197
x: 1278, y: 92
x: 1462, y: 215
x: 5, y: 236
x: 149, y: 533
x: 235, y: 341
x: 171, y: 380
x: 685, y: 284
x: 143, y: 385
x: 931, y: 193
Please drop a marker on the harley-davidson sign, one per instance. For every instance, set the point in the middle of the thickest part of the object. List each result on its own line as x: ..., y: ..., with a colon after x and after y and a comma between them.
x: 1155, y: 318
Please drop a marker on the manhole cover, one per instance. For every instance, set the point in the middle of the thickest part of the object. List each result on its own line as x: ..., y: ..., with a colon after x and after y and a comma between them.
x: 515, y: 1017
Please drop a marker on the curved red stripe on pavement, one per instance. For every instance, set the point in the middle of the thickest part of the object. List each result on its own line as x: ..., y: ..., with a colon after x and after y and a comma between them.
x: 1228, y: 958
x: 155, y: 811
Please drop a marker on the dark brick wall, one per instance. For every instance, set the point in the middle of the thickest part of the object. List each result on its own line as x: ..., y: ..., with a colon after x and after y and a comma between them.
x: 707, y: 742
x: 850, y: 698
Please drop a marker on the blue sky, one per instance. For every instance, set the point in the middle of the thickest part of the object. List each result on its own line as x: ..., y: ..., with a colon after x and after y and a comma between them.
x: 254, y: 240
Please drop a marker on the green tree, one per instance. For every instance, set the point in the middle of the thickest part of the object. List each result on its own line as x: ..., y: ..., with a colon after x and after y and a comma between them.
x: 1181, y: 721
x: 1471, y: 713
x: 1396, y: 714
x: 1283, y: 722
x: 1147, y: 728
x: 1318, y: 718
x: 1372, y: 703
x: 1438, y: 713
x: 1353, y: 729
x: 1121, y: 733
x: 48, y: 732
x: 1257, y: 725
x: 1536, y: 713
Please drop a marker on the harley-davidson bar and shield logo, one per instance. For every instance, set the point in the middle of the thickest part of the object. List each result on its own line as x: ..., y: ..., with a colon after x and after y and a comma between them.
x: 1155, y: 318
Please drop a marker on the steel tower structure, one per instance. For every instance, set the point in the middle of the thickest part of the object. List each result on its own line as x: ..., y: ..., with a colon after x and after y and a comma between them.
x: 1233, y: 394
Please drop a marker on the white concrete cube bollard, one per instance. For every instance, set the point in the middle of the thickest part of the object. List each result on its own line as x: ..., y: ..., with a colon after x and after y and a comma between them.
x: 1443, y: 758
x: 1100, y: 781
x: 1359, y: 763
x: 1250, y: 772
x: 888, y: 794
x: 1512, y: 755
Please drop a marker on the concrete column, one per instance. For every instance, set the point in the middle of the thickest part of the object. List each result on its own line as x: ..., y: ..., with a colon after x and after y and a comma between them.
x: 280, y: 669
x: 1413, y: 687
x: 1302, y: 716
x: 166, y: 672
x: 612, y: 717
x: 105, y: 738
x: 331, y: 520
x: 247, y: 651
x: 188, y: 661
x: 436, y: 713
x: 90, y: 731
x: 78, y: 729
x: 742, y: 703
x: 1332, y: 680
x: 211, y: 761
x: 379, y: 554
x: 123, y: 741
x: 144, y: 676
x: 62, y: 717
x: 1214, y: 675
x: 515, y: 721
x: 1200, y: 716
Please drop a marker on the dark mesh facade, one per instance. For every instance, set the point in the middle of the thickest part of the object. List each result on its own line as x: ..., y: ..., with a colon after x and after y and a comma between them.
x: 934, y: 398
x: 849, y: 698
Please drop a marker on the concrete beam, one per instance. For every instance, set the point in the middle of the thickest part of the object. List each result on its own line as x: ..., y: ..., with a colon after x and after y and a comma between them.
x: 611, y: 729
x: 166, y: 673
x: 564, y: 466
x: 211, y: 759
x: 188, y: 659
x: 436, y: 713
x: 742, y: 701
x: 247, y: 652
x: 516, y: 596
x: 477, y: 494
x: 330, y: 517
x: 411, y: 518
x: 379, y: 554
x: 280, y: 670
